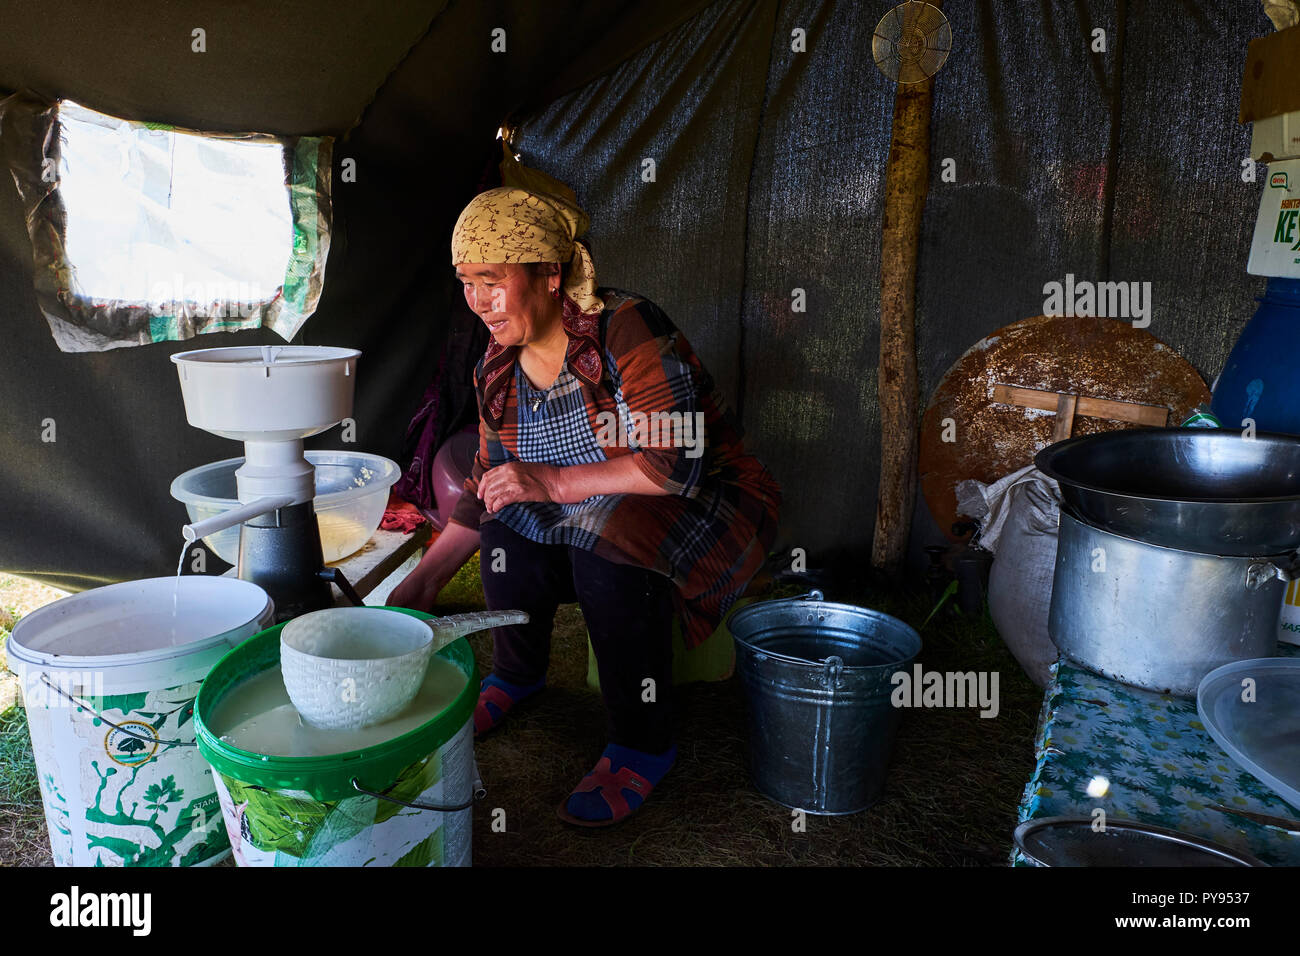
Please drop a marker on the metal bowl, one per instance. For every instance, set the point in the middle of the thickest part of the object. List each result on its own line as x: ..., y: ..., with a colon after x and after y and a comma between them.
x: 1074, y: 841
x: 1195, y: 489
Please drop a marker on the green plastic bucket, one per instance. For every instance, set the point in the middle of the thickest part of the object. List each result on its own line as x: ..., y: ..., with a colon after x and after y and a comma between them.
x: 713, y: 660
x: 308, y: 811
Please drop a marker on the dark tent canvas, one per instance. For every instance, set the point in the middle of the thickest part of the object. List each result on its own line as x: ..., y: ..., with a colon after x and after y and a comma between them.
x: 945, y: 294
x: 765, y: 183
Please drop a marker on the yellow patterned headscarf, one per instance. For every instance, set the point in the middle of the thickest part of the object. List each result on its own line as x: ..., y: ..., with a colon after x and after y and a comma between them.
x: 514, y: 225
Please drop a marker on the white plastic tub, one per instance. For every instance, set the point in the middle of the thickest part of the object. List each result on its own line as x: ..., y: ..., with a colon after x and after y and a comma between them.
x: 121, y: 779
x: 351, y: 494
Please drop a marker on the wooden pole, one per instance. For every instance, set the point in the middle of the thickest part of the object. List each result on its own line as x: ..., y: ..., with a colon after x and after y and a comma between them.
x: 907, y: 180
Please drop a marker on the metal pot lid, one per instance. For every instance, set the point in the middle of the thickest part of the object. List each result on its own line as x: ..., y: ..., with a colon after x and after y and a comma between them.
x: 1261, y: 733
x: 1072, y: 841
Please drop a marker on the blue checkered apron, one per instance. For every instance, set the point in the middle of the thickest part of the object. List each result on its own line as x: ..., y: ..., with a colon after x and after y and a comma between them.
x: 555, y: 429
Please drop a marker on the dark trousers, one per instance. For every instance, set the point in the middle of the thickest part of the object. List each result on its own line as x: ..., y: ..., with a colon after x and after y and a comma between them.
x: 629, y: 613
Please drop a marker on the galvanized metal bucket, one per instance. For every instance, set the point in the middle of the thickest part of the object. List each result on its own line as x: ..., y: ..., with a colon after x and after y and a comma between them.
x: 817, y: 676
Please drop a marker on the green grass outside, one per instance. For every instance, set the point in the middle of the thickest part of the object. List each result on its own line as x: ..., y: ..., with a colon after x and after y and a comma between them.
x: 22, y: 822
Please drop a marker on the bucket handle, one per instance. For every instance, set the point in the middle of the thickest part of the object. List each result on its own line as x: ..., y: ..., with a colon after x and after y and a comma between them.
x: 1261, y: 572
x: 81, y: 703
x: 479, y: 794
x: 813, y: 595
x: 832, y: 672
x: 787, y: 659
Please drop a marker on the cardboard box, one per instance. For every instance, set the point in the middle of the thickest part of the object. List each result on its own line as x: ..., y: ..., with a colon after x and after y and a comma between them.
x: 1276, y: 138
x: 1270, y: 85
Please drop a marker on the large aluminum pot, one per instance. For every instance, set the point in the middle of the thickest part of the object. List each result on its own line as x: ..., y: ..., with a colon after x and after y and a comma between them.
x: 1160, y: 618
x: 1195, y: 489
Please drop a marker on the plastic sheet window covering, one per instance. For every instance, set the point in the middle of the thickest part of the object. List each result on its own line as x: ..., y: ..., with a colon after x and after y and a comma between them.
x: 148, y: 233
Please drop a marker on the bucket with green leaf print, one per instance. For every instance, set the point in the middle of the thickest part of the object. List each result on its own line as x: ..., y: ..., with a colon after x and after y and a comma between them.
x: 109, y: 678
x: 311, y: 811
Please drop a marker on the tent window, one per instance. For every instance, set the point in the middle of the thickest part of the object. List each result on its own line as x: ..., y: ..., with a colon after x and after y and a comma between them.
x: 169, y: 220
x: 145, y: 233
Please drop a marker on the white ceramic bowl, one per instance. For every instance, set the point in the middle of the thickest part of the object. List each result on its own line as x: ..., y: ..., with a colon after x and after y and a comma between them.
x: 346, y: 668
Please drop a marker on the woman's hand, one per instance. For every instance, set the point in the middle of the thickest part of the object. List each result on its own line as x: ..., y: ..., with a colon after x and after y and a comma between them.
x: 518, y: 481
x: 419, y: 591
x: 450, y: 550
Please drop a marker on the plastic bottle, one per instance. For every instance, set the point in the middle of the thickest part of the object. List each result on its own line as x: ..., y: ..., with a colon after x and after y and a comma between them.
x: 1261, y: 379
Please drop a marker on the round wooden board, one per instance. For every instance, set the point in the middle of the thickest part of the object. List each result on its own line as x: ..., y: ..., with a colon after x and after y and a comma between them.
x: 1098, y: 358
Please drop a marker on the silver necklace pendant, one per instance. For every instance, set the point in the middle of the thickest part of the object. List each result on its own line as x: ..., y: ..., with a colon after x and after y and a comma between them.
x: 537, y: 403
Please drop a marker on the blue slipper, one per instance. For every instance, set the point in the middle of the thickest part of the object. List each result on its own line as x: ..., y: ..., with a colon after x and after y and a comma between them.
x: 599, y: 801
x: 495, y: 699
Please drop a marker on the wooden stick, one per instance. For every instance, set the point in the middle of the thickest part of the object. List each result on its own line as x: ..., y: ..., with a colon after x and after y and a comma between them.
x: 907, y: 180
x: 1065, y: 406
x: 1154, y: 415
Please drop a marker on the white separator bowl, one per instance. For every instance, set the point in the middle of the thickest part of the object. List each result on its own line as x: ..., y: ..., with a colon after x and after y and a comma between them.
x: 267, y: 393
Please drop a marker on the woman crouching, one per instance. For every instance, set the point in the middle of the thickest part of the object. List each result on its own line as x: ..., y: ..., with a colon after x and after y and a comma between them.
x: 609, y: 473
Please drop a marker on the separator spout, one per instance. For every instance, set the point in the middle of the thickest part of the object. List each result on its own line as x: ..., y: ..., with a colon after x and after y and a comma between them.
x: 201, y: 529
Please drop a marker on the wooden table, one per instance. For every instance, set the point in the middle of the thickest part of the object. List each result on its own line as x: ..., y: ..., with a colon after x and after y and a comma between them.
x: 381, y: 564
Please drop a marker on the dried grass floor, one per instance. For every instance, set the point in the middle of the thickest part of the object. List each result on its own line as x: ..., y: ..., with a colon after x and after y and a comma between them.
x: 950, y: 798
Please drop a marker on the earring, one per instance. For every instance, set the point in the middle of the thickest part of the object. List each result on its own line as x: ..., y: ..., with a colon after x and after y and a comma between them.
x: 555, y: 292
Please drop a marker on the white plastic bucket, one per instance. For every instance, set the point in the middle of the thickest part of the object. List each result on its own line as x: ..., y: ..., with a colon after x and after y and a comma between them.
x: 121, y: 779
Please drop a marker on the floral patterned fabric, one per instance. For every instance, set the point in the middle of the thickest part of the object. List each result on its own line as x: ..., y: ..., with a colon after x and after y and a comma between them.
x: 1162, y: 765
